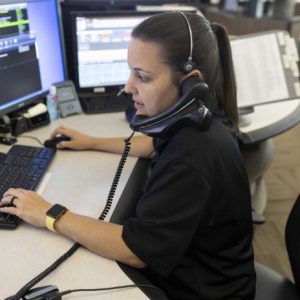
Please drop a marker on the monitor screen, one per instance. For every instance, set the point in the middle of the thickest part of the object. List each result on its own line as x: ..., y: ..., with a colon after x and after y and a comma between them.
x: 31, y: 52
x: 100, y: 48
x: 266, y: 68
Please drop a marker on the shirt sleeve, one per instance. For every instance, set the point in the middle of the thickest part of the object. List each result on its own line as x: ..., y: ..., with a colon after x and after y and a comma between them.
x: 176, y: 204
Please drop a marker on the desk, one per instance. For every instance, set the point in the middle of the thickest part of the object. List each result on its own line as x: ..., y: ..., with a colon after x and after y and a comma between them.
x: 80, y: 181
x: 268, y: 120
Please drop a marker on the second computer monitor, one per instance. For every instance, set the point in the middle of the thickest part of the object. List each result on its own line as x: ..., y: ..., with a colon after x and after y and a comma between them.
x: 100, y: 48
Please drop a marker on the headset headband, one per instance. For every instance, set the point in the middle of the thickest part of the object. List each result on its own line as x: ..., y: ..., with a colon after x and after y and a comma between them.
x: 189, y: 65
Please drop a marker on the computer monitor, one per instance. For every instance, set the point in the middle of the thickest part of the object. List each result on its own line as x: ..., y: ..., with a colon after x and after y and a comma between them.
x: 119, y: 3
x: 229, y: 5
x: 266, y: 68
x: 100, y: 41
x: 31, y: 52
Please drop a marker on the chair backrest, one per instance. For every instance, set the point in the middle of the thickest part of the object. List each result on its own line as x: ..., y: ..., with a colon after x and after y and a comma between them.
x: 292, y: 239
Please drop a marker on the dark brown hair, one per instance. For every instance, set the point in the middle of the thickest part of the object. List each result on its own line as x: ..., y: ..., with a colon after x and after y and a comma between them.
x: 211, y: 52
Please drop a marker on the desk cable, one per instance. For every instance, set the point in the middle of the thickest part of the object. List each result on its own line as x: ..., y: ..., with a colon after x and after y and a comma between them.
x: 75, y: 246
x: 33, y: 138
x: 51, y: 292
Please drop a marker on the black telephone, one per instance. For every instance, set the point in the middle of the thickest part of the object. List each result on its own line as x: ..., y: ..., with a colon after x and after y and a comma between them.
x: 188, y: 111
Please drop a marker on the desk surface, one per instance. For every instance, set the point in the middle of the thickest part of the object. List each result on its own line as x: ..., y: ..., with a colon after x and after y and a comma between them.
x: 270, y: 119
x: 81, y: 181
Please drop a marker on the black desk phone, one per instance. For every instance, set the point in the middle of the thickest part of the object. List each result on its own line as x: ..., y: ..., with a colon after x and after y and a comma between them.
x: 188, y: 111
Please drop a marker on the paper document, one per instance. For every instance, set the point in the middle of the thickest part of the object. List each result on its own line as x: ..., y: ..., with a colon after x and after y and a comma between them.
x: 259, y: 70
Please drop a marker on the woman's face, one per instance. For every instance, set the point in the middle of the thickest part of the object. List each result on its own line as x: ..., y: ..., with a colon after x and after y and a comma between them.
x: 150, y: 81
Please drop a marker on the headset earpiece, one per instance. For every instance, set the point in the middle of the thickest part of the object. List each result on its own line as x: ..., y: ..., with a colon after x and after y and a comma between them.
x: 188, y: 66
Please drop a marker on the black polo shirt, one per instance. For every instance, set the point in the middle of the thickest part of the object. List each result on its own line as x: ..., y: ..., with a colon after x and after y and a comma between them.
x: 193, y: 225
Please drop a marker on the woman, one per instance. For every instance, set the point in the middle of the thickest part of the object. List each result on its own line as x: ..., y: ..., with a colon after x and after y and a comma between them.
x: 192, y: 231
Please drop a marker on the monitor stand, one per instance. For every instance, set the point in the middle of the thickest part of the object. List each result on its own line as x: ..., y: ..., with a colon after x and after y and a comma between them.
x: 244, y: 118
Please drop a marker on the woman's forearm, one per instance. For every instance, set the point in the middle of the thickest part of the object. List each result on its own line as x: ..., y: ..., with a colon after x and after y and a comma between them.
x: 100, y: 237
x: 141, y: 146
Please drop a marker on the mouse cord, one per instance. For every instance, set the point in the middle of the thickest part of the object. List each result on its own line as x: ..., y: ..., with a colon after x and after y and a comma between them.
x: 31, y: 137
x: 75, y: 246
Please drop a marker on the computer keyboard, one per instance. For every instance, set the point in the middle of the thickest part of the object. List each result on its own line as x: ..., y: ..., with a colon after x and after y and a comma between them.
x: 100, y: 103
x: 22, y: 167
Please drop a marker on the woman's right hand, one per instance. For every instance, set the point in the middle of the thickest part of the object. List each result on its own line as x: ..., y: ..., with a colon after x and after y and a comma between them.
x: 141, y: 146
x: 78, y: 140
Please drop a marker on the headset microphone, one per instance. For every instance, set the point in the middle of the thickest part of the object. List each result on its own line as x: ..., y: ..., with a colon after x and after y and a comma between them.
x: 121, y: 91
x: 189, y: 65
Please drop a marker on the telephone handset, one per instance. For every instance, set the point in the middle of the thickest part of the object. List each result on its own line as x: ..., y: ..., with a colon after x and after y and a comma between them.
x: 188, y: 111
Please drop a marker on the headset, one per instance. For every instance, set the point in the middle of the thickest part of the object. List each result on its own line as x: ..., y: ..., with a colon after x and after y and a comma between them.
x: 189, y: 65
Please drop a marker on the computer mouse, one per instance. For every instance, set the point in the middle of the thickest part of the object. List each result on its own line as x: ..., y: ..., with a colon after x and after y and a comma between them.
x: 51, y: 143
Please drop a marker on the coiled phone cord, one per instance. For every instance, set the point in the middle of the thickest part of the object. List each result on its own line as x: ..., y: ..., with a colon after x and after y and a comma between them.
x: 117, y: 176
x: 75, y: 246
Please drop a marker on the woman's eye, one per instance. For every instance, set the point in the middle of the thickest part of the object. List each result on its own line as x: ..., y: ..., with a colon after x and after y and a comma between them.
x: 143, y: 78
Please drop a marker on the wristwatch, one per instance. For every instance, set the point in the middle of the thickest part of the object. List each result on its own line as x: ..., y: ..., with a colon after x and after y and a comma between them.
x: 53, y: 214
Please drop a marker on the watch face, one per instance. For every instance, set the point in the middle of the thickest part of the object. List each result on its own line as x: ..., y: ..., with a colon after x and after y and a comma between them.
x: 56, y: 210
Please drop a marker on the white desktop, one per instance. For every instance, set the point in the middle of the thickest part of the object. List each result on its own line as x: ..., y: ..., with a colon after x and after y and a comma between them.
x: 80, y: 180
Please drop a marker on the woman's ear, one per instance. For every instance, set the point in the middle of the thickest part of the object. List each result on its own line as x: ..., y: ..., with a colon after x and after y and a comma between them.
x: 195, y: 73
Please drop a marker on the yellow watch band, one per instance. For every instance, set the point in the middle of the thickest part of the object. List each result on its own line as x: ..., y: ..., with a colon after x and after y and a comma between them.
x: 54, y: 214
x: 50, y: 223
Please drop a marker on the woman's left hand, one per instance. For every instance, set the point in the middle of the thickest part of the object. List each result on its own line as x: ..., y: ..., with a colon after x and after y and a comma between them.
x: 28, y: 205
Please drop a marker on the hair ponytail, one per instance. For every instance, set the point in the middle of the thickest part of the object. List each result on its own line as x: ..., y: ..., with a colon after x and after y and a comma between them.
x: 229, y: 101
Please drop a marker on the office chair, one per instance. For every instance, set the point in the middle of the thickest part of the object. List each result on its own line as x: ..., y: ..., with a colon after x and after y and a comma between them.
x: 270, y: 284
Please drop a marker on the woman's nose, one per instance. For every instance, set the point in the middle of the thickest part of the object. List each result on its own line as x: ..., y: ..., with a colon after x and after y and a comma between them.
x: 129, y: 87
